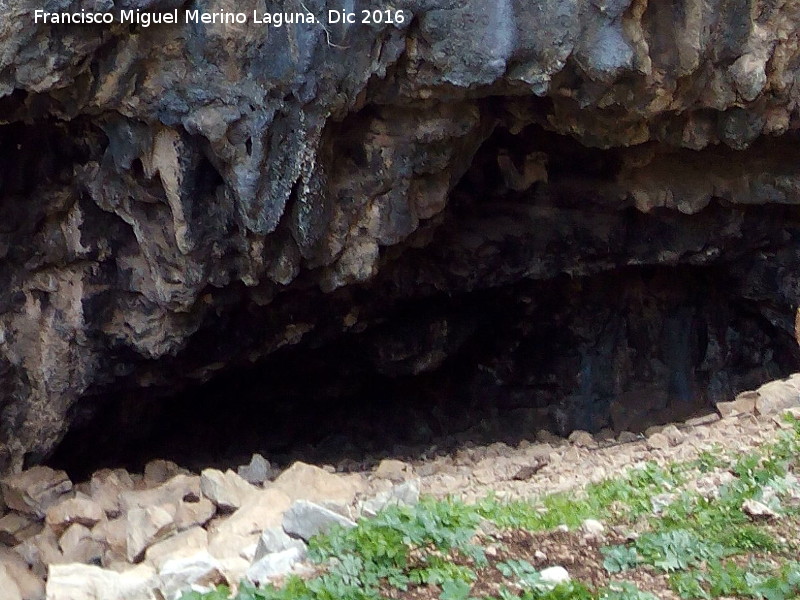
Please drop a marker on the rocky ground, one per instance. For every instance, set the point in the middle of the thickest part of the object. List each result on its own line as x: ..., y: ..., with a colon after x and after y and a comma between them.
x: 148, y: 536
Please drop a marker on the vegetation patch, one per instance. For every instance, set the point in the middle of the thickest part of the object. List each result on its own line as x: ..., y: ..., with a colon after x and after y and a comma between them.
x: 723, y: 525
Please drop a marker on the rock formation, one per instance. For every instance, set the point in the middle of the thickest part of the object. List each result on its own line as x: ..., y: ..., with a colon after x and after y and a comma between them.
x: 574, y: 205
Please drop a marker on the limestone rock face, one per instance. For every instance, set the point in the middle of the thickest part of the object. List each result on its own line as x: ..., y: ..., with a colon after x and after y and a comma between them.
x: 175, y: 200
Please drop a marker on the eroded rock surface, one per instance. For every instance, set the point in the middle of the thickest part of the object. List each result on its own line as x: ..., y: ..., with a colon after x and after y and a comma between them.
x: 179, y: 200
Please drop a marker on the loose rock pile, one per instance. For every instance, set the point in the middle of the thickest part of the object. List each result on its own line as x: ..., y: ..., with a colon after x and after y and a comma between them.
x: 150, y: 536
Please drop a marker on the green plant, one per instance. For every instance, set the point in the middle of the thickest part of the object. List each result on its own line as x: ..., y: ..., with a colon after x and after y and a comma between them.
x: 619, y: 558
x: 624, y: 590
x: 675, y: 550
x: 522, y: 571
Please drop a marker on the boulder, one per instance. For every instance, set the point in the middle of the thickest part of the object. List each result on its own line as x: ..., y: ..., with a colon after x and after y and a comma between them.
x: 8, y: 585
x: 305, y: 519
x: 113, y: 534
x: 553, y: 576
x: 83, y: 511
x: 199, y: 571
x: 29, y: 585
x: 227, y: 490
x: 258, y: 471
x: 393, y: 470
x: 16, y: 527
x: 181, y: 545
x: 88, y: 582
x: 179, y: 488
x: 778, y: 396
x: 230, y: 537
x: 302, y: 481
x: 35, y: 490
x: 273, y: 540
x: 406, y: 493
x: 79, y: 546
x: 40, y: 551
x: 276, y: 564
x: 146, y: 526
x: 745, y: 403
x: 106, y: 488
x: 160, y: 471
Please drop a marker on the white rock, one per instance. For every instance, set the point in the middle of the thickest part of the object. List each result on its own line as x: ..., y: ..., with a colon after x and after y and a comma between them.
x: 181, y: 545
x: 754, y: 508
x: 305, y: 519
x: 9, y: 585
x: 274, y: 565
x: 593, y: 528
x: 552, y: 576
x: 87, y: 582
x: 29, y: 585
x: 406, y: 493
x: 274, y: 540
x: 199, y: 571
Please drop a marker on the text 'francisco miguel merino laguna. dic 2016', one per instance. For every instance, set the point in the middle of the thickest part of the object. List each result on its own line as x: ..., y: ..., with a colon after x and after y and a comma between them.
x: 372, y: 16
x: 145, y: 19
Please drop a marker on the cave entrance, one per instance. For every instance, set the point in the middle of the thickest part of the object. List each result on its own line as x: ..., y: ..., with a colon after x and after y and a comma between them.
x: 544, y: 301
x: 618, y: 351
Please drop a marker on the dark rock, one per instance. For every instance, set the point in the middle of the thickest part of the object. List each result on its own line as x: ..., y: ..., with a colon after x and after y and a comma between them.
x: 181, y: 200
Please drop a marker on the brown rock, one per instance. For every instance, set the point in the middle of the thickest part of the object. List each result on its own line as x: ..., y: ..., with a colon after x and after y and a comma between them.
x: 180, y: 496
x: 745, y: 403
x: 582, y: 439
x: 145, y: 527
x: 227, y: 490
x: 673, y: 434
x: 777, y: 396
x: 15, y: 528
x: 180, y: 545
x: 78, y: 546
x: 180, y: 487
x: 73, y: 510
x: 114, y: 535
x: 260, y: 512
x: 160, y: 471
x: 40, y: 551
x: 35, y: 490
x: 106, y: 488
x: 658, y: 441
x: 189, y: 514
x: 393, y: 470
x: 307, y: 482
